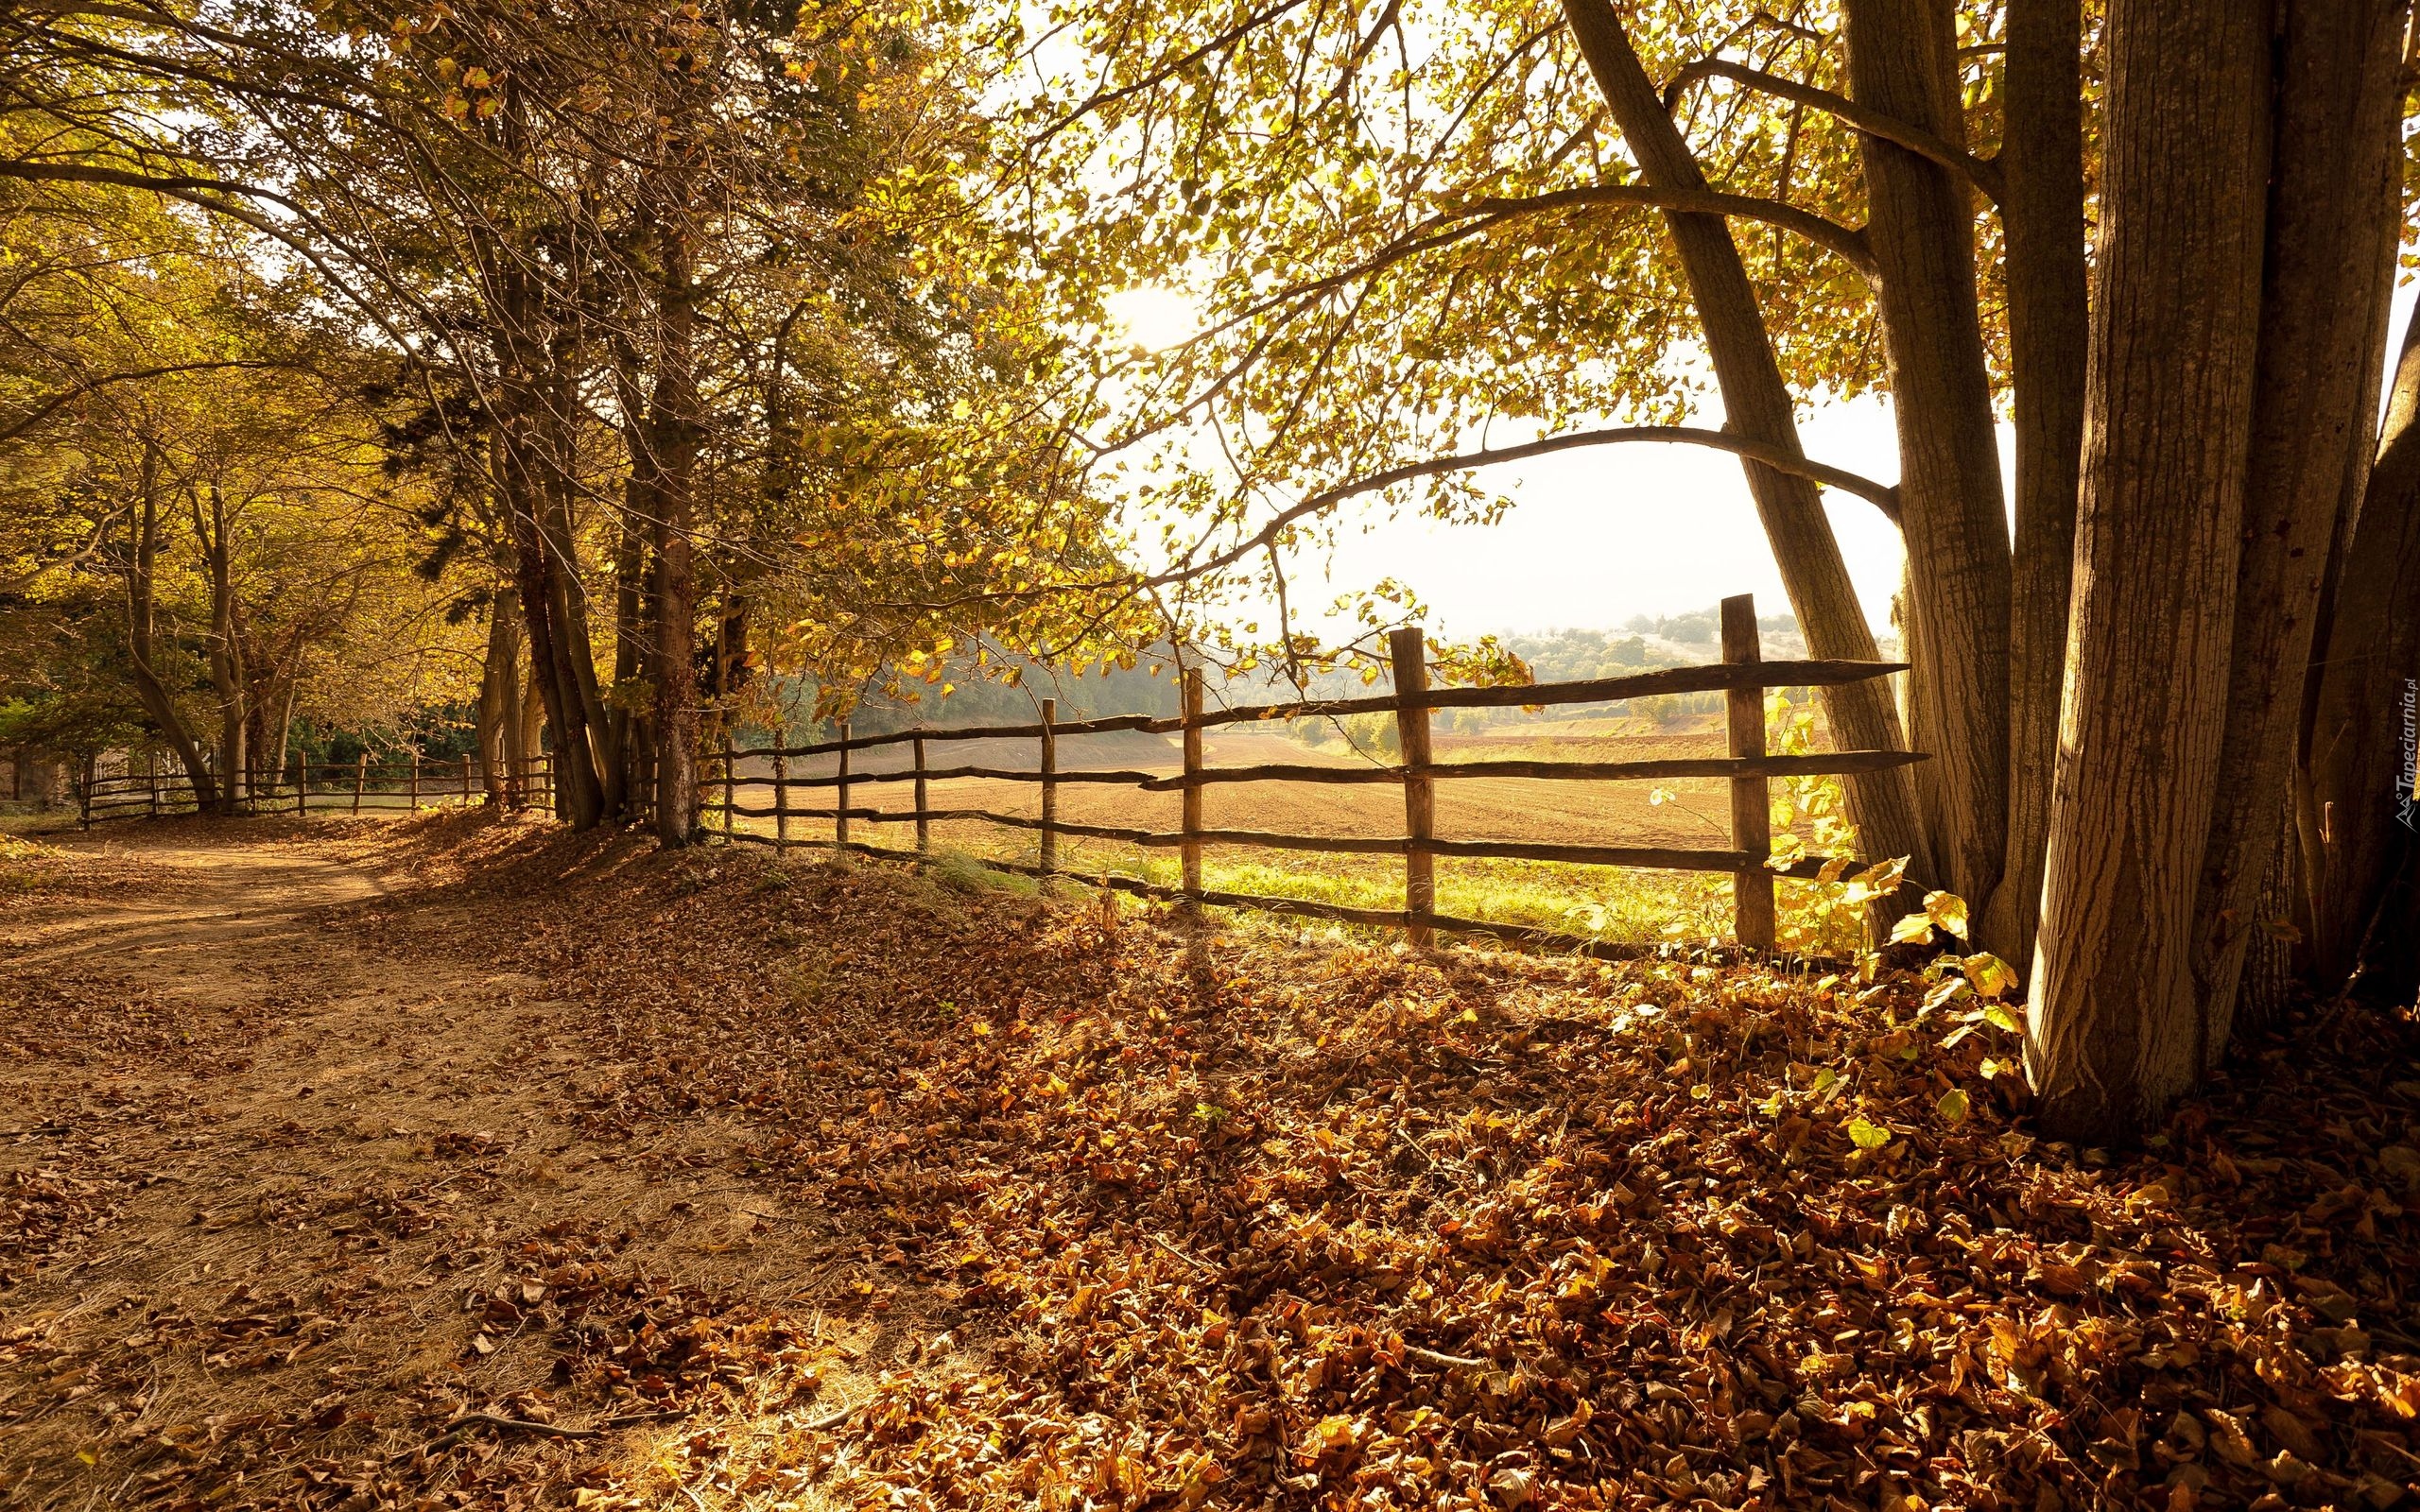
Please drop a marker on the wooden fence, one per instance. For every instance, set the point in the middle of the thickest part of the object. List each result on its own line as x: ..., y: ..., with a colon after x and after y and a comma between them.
x: 1741, y: 675
x: 408, y: 781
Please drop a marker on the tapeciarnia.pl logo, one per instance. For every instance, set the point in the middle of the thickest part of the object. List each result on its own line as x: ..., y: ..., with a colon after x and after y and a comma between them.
x: 2409, y: 787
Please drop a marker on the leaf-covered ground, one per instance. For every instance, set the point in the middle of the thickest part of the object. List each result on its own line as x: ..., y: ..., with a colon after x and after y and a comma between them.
x: 839, y: 1185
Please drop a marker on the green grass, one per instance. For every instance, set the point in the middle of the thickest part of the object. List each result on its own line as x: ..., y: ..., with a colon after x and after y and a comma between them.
x: 1615, y: 905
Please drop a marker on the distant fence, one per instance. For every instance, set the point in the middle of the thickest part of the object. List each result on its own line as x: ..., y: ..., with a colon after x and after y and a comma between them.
x: 1741, y: 675
x: 392, y: 783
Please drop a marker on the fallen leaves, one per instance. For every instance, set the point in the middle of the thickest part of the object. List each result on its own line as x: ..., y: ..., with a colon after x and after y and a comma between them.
x: 1254, y: 1222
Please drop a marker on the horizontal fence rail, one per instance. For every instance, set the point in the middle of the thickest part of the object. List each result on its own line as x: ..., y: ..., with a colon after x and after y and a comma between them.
x: 304, y: 787
x: 1749, y: 768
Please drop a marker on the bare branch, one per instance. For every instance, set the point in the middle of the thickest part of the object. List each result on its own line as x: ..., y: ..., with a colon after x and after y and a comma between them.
x: 12, y: 429
x: 1848, y: 243
x: 1883, y: 496
x: 1983, y: 173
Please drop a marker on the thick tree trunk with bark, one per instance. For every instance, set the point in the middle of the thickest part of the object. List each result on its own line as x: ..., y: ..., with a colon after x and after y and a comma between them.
x: 226, y: 654
x: 633, y: 609
x: 559, y: 524
x: 1756, y: 405
x: 501, y: 757
x: 531, y: 459
x: 2328, y: 269
x: 578, y: 797
x: 2113, y: 1033
x: 2048, y: 334
x: 2354, y: 816
x: 142, y: 638
x: 672, y: 442
x: 1903, y: 63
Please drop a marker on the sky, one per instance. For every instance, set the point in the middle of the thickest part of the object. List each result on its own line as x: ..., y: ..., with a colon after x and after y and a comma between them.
x: 1598, y: 535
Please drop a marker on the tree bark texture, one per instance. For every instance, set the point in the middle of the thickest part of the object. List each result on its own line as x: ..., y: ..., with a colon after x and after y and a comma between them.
x: 1903, y: 63
x: 634, y: 608
x: 1756, y: 404
x: 2328, y: 269
x: 672, y: 440
x: 2353, y: 814
x: 142, y: 637
x: 2113, y: 1034
x: 499, y: 714
x: 226, y: 654
x: 2048, y: 336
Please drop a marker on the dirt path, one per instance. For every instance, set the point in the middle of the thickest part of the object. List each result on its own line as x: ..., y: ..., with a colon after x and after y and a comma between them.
x: 257, y: 1184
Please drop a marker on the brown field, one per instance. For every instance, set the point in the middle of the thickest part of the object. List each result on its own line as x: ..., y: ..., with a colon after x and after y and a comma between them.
x: 1680, y: 813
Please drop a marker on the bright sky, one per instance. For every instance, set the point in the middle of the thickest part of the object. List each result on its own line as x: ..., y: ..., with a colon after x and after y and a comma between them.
x: 1605, y: 533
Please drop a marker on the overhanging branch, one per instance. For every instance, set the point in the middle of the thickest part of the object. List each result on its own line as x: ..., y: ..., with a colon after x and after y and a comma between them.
x: 1883, y: 496
x: 1848, y: 243
x: 1983, y: 173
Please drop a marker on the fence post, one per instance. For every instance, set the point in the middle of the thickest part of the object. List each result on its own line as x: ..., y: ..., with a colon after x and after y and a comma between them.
x: 730, y: 787
x: 1752, y: 890
x: 841, y: 809
x: 360, y: 779
x: 781, y: 802
x: 1409, y: 650
x: 1190, y: 846
x: 924, y: 825
x: 411, y: 754
x: 151, y: 770
x: 84, y: 795
x: 301, y: 781
x: 1049, y: 797
x: 466, y: 780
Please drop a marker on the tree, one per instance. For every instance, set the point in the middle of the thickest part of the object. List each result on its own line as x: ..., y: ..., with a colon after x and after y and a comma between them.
x: 594, y: 236
x: 1410, y: 227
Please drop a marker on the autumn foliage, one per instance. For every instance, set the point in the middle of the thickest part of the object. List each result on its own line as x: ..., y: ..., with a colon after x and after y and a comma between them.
x: 1136, y: 1219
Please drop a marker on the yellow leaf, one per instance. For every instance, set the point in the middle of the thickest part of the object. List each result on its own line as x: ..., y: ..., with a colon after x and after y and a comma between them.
x: 1989, y: 974
x: 1952, y: 1107
x: 1948, y: 911
x: 1913, y: 930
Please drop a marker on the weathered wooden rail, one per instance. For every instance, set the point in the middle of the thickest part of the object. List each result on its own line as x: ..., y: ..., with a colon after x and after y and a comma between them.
x: 1741, y: 675
x: 409, y: 781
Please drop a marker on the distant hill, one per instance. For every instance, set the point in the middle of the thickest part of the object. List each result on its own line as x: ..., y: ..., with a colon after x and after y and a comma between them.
x: 1641, y: 642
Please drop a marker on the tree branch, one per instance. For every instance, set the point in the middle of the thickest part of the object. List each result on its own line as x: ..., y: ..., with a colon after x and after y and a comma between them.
x: 1848, y: 243
x: 1475, y: 218
x: 12, y: 429
x: 1883, y: 496
x: 1983, y: 173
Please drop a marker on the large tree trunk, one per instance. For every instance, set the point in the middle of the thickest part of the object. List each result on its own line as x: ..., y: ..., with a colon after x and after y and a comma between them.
x: 142, y: 638
x: 558, y: 523
x: 226, y: 654
x: 578, y: 797
x: 2048, y: 334
x: 634, y: 608
x: 1756, y: 405
x: 672, y: 444
x: 2354, y: 813
x: 531, y: 460
x: 2113, y: 1034
x: 2327, y: 274
x: 499, y: 714
x: 1903, y: 63
x: 533, y: 738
